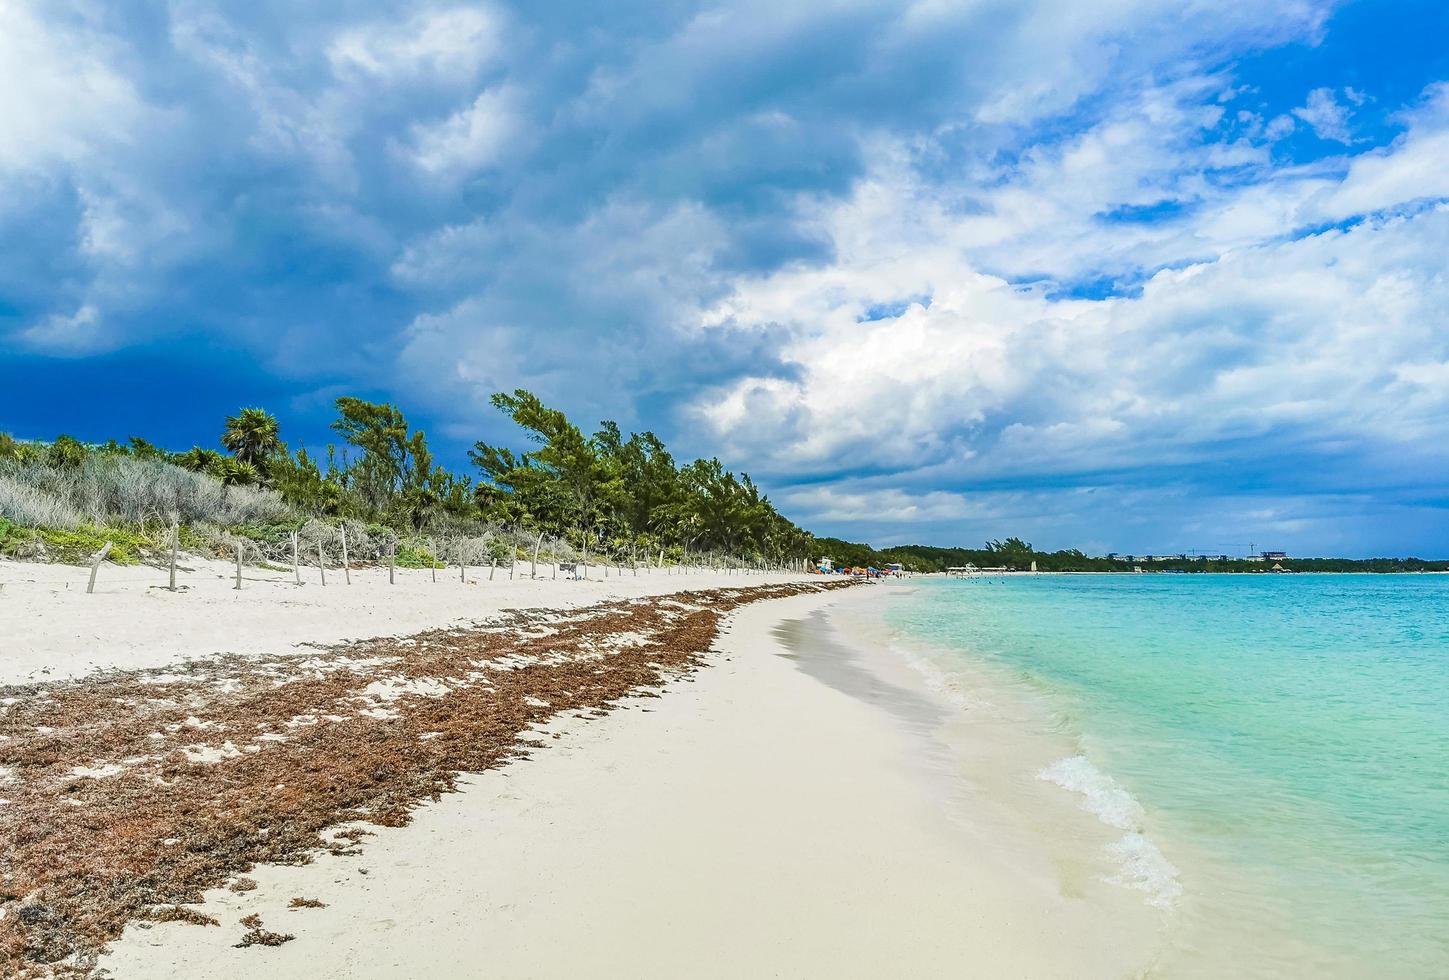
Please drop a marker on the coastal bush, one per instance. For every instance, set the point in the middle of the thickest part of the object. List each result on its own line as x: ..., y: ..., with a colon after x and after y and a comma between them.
x: 67, y: 452
x: 74, y: 547
x: 14, y: 540
x: 415, y: 555
x: 64, y: 490
x: 29, y: 505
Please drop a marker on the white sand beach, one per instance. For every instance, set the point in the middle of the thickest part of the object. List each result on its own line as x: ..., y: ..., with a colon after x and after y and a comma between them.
x: 789, y: 809
x: 50, y: 628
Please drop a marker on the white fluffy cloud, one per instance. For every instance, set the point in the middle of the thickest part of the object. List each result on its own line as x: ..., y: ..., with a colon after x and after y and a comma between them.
x: 61, y: 97
x: 476, y: 136
x: 1324, y: 346
x: 1327, y: 116
x: 450, y: 42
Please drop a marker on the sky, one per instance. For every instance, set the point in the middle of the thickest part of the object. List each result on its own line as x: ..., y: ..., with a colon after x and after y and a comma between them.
x: 1120, y: 275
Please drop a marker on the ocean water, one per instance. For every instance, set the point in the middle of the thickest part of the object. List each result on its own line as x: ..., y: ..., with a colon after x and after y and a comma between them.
x: 1273, y: 749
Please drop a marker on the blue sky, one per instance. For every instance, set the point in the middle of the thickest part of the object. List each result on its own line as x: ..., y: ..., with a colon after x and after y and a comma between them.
x: 1132, y: 275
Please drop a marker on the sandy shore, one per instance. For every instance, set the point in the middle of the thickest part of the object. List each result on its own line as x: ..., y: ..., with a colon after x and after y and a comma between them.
x: 50, y: 628
x: 790, y: 809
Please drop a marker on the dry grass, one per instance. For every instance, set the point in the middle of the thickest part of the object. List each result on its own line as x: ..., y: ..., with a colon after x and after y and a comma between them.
x: 132, y: 793
x: 118, y: 488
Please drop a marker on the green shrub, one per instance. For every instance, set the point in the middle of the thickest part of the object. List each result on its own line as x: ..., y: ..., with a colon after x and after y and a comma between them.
x: 67, y: 453
x: 416, y: 556
x: 13, y: 539
x: 267, y: 533
x: 72, y: 546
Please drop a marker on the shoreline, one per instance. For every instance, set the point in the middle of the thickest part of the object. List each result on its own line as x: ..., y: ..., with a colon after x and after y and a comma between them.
x: 762, y: 815
x: 1243, y: 819
x: 1012, y: 734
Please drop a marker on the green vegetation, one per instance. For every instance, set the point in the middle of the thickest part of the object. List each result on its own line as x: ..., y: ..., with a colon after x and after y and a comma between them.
x: 416, y: 556
x: 571, y: 495
x: 625, y: 495
x: 72, y: 546
x: 1018, y: 555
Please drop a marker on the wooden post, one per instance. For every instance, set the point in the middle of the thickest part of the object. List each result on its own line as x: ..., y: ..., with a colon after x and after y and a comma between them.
x: 321, y: 562
x: 433, y: 558
x: 238, y: 547
x: 462, y: 567
x: 296, y: 560
x: 175, y: 546
x: 392, y: 565
x: 492, y: 567
x: 96, y: 560
x: 346, y: 571
x: 512, y: 563
x: 533, y: 568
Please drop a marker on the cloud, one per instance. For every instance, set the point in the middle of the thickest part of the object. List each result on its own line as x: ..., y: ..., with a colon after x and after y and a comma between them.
x: 477, y: 136
x: 976, y: 263
x: 451, y: 43
x: 76, y: 333
x: 1279, y: 127
x: 61, y: 98
x: 836, y: 505
x: 1316, y: 350
x: 1408, y: 171
x: 1326, y: 115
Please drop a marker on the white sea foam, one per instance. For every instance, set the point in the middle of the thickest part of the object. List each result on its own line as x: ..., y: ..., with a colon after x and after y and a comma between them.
x: 938, y: 681
x: 1147, y: 869
x: 1141, y: 864
x: 1101, y: 794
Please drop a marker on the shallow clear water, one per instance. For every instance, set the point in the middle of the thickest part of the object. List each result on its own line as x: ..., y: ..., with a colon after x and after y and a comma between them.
x: 1275, y: 750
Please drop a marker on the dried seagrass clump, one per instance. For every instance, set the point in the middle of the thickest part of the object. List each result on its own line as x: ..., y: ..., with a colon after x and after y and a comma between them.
x: 179, y: 913
x: 131, y: 793
x: 257, y: 936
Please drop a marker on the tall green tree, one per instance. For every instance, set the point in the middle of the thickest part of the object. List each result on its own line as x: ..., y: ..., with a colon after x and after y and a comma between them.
x: 381, y: 432
x: 396, y: 476
x: 254, y: 437
x: 567, y: 483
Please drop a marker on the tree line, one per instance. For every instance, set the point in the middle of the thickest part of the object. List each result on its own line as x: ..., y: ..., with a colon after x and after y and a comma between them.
x: 1018, y: 555
x: 601, y: 492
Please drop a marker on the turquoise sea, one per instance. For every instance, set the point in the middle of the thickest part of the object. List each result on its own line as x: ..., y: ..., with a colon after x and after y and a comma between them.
x: 1274, y: 749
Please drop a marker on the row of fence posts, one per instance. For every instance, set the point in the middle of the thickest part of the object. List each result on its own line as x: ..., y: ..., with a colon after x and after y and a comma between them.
x: 238, y: 548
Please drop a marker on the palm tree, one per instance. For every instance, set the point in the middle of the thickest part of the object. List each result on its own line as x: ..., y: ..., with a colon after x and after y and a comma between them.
x: 200, y: 460
x: 253, y: 436
x: 239, y: 473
